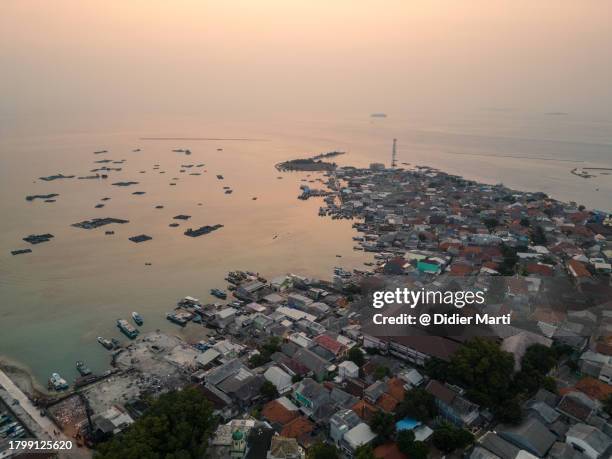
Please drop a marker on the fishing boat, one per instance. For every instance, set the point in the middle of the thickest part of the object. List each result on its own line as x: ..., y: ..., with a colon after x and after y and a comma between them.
x: 176, y: 319
x: 82, y: 369
x: 218, y: 293
x: 57, y: 382
x: 137, y: 318
x: 127, y: 329
x: 106, y: 343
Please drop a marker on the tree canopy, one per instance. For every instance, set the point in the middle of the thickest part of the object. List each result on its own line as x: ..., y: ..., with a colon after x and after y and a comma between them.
x: 176, y: 426
x: 322, y: 450
x: 417, y: 404
x: 448, y: 438
x: 484, y: 370
x: 355, y: 355
x: 383, y: 425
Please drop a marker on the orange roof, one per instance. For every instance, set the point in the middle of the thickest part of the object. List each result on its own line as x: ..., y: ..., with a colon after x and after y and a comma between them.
x: 276, y: 412
x: 577, y: 269
x: 594, y: 388
x: 538, y: 268
x: 389, y: 451
x: 386, y: 403
x: 461, y: 269
x: 297, y: 428
x: 364, y: 410
x: 395, y: 388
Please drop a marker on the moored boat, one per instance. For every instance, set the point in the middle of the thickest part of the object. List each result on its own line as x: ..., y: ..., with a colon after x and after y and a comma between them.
x: 106, y: 343
x: 137, y: 318
x: 57, y: 382
x: 127, y: 329
x: 218, y: 293
x: 82, y: 369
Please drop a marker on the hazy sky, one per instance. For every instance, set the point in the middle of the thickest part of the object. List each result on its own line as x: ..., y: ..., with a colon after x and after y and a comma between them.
x: 254, y: 57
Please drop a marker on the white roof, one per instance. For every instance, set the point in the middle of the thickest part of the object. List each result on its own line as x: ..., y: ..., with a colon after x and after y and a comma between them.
x: 256, y: 307
x: 277, y: 377
x: 225, y: 313
x: 359, y: 435
x: 295, y: 314
x: 349, y: 366
x: 207, y: 357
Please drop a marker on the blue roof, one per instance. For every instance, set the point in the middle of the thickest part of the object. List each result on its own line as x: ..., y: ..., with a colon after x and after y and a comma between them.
x: 406, y: 424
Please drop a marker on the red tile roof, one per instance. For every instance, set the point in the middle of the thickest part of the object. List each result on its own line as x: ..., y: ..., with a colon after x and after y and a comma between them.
x: 389, y: 451
x: 276, y: 412
x: 297, y: 428
x: 330, y: 344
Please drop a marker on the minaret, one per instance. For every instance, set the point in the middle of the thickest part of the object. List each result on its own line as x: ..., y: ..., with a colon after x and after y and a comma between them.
x: 394, y: 155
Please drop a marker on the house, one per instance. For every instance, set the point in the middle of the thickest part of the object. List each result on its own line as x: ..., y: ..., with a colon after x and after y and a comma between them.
x: 590, y: 441
x: 315, y: 364
x: 285, y: 448
x: 531, y: 435
x: 452, y: 406
x: 297, y: 301
x: 340, y: 423
x: 348, y: 369
x: 300, y: 429
x: 280, y: 379
x: 358, y: 436
x: 279, y: 412
x: 310, y: 395
x: 224, y: 317
x: 389, y: 451
x: 332, y: 345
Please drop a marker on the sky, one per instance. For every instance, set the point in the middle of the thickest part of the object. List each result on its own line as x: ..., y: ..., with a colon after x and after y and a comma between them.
x: 253, y: 58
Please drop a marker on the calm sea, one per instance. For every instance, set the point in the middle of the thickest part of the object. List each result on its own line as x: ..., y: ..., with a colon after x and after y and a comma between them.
x: 55, y: 301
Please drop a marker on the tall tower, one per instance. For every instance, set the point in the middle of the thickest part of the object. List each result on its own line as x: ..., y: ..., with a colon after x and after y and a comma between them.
x: 394, y: 154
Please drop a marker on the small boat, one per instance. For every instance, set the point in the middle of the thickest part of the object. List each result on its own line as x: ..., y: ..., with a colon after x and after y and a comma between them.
x: 106, y: 343
x: 218, y: 293
x: 137, y: 318
x: 82, y: 369
x: 127, y: 329
x: 176, y: 319
x: 57, y: 382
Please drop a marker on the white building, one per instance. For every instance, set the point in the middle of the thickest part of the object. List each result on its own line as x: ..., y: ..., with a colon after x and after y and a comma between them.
x: 280, y: 379
x: 348, y: 369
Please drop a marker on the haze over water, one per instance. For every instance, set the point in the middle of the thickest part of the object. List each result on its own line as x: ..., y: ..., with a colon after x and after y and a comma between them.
x: 512, y: 92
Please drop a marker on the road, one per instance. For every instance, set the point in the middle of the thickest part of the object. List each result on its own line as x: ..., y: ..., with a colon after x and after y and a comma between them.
x: 46, y: 425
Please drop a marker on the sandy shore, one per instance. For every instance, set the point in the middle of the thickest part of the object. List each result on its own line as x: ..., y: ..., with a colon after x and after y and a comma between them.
x: 22, y: 378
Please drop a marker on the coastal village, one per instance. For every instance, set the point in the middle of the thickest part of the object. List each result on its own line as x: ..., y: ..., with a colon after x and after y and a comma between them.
x: 292, y: 365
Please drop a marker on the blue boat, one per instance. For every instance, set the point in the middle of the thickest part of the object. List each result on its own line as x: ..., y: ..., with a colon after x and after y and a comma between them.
x: 218, y: 293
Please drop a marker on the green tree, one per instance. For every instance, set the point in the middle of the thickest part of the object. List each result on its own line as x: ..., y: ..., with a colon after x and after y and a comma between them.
x: 419, y: 450
x: 355, y: 355
x: 176, y: 425
x: 405, y: 439
x: 537, y: 236
x: 381, y: 372
x: 535, y: 365
x: 607, y: 404
x: 417, y: 404
x: 383, y: 425
x: 268, y: 390
x: 265, y: 352
x: 448, y: 438
x: 322, y: 450
x: 509, y: 411
x: 485, y: 370
x: 490, y: 223
x: 364, y: 452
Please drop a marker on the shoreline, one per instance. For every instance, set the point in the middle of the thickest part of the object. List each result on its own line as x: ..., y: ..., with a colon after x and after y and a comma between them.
x: 22, y: 377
